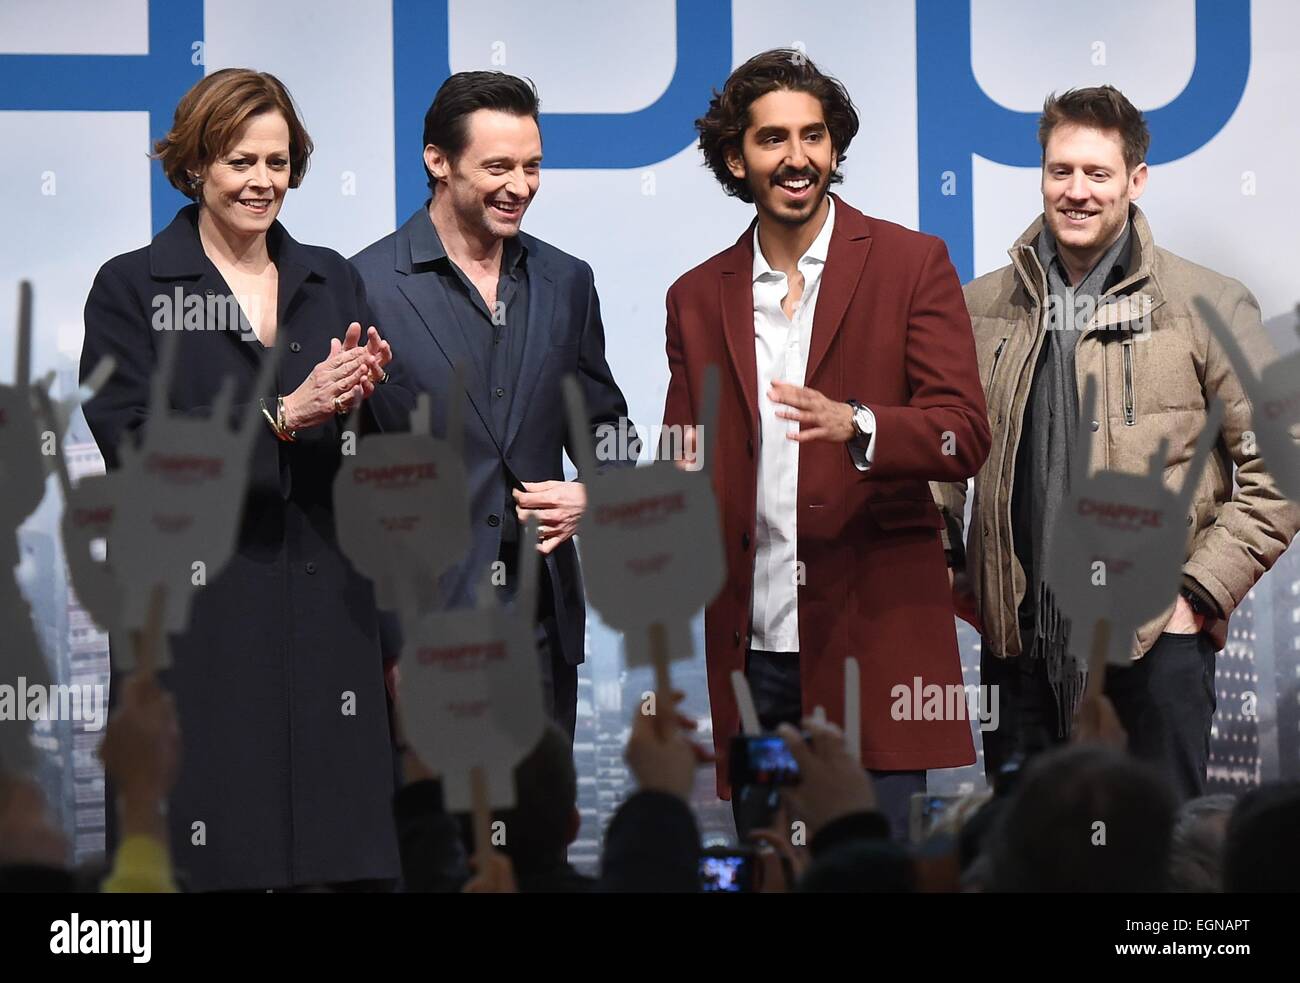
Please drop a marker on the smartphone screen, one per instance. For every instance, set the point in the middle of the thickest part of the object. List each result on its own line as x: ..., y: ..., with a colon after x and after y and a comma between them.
x: 763, y: 760
x: 728, y: 873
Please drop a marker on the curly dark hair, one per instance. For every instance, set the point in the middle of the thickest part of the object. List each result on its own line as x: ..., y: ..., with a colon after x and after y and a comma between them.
x: 722, y: 128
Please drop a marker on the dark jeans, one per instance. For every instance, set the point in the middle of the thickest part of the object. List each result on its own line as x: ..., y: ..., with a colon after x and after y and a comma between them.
x: 1165, y: 700
x: 773, y: 679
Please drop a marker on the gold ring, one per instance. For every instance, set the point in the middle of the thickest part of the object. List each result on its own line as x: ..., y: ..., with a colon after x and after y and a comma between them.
x: 339, y: 406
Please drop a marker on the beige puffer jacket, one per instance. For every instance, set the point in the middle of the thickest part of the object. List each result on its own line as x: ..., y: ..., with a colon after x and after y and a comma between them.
x: 1158, y: 368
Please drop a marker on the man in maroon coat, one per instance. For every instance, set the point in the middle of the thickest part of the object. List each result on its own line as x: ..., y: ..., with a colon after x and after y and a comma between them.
x: 848, y: 382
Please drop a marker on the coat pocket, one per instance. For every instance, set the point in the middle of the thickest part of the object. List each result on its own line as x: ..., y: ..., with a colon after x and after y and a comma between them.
x: 906, y: 514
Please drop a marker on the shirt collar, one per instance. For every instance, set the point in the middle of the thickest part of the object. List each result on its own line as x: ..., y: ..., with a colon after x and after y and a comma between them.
x: 427, y: 247
x: 817, y: 249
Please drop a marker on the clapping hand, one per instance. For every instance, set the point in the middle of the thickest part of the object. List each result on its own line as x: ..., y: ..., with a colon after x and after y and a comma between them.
x: 345, y: 377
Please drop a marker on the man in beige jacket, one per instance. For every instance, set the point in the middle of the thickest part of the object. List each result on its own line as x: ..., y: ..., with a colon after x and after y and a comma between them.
x: 1089, y: 293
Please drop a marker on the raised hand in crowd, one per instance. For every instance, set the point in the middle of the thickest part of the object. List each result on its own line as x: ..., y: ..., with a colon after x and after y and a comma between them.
x: 780, y: 863
x: 663, y: 758
x: 496, y: 877
x: 1098, y: 722
x: 28, y: 836
x: 141, y: 754
x: 832, y: 784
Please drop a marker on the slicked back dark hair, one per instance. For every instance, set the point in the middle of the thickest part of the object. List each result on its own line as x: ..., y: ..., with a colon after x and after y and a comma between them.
x: 722, y: 128
x: 446, y: 124
x: 1102, y: 107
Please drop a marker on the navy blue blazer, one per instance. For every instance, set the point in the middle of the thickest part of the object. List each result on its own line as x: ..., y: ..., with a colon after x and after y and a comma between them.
x: 563, y: 335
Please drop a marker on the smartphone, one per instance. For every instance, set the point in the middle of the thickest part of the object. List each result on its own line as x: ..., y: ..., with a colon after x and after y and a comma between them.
x: 762, y: 760
x: 925, y: 809
x: 727, y: 870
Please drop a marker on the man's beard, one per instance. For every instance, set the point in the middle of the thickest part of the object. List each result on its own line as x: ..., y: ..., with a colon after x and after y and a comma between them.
x: 474, y: 212
x: 814, y: 204
x: 1106, y: 234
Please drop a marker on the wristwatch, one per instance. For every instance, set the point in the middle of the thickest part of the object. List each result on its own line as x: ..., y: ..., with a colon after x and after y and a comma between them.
x: 861, y: 419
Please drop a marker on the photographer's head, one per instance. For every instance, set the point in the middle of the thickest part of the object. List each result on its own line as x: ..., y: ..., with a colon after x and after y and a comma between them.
x: 544, y: 821
x: 1084, y: 818
x: 1260, y: 850
x: 1196, y: 856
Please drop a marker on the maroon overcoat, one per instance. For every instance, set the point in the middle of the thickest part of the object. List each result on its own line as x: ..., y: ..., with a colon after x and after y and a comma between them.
x: 890, y: 330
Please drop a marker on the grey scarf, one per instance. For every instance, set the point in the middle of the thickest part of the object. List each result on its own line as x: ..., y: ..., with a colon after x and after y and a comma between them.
x: 1055, y: 414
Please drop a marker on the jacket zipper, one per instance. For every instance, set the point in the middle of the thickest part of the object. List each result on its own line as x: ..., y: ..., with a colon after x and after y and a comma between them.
x: 997, y: 354
x: 1130, y: 401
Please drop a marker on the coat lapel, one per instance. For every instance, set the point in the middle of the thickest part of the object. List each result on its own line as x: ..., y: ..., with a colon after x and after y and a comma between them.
x: 736, y: 298
x: 850, y: 243
x: 293, y: 274
x: 177, y: 254
x: 425, y: 294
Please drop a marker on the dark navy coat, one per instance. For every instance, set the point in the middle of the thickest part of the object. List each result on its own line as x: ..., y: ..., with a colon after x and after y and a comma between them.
x: 290, y: 790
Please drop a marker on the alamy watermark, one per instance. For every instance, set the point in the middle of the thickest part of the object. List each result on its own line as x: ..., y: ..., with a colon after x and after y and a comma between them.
x: 1078, y: 312
x: 674, y: 442
x: 954, y: 701
x: 38, y: 701
x: 212, y: 311
x: 102, y: 936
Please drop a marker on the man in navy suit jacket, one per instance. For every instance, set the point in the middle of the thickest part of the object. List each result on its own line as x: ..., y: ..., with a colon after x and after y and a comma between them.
x: 459, y: 289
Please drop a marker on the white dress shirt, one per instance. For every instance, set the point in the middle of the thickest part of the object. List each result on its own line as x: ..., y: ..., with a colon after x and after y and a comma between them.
x: 781, y: 352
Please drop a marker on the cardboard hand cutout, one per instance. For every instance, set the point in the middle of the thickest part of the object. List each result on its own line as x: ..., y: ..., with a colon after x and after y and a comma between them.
x: 650, y: 541
x: 1275, y: 401
x: 401, y: 508
x: 1121, y: 541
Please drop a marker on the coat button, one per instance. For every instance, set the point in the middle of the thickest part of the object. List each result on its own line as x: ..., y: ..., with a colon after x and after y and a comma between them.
x: 735, y: 637
x: 209, y: 291
x: 744, y: 541
x: 500, y: 392
x: 295, y: 347
x: 1191, y: 520
x: 1096, y: 425
x: 311, y: 567
x: 494, y: 520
